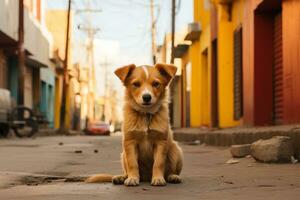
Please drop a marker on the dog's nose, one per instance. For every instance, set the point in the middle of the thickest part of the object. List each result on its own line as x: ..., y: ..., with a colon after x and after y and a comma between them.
x: 146, y: 98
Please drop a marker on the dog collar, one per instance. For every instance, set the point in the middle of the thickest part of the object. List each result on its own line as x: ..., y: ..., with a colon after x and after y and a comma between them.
x: 149, y: 118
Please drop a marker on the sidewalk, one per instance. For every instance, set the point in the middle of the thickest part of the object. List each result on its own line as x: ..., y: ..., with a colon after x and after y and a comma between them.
x: 238, y: 135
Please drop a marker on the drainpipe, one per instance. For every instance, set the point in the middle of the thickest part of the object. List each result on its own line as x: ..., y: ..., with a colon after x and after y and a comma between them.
x: 21, y: 55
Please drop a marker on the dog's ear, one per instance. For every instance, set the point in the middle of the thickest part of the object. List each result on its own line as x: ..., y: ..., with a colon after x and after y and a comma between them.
x: 166, y: 70
x: 124, y: 72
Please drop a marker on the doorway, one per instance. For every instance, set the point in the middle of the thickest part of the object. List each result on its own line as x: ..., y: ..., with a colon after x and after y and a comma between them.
x: 214, y: 85
x: 204, y: 89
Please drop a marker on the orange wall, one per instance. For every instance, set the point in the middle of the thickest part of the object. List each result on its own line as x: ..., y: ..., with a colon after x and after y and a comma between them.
x: 56, y: 22
x: 254, y: 79
x: 248, y: 60
x: 291, y: 60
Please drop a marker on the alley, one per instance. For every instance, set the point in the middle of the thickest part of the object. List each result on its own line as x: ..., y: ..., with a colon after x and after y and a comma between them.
x: 206, y: 174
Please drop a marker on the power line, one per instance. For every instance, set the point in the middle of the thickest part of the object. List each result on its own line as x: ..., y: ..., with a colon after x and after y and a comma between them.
x: 153, y: 32
x: 173, y: 14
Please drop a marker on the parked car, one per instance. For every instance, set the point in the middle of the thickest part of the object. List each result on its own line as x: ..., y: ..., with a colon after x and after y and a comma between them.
x: 97, y: 128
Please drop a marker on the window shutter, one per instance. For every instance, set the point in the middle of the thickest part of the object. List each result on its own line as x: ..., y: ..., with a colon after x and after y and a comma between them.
x: 238, y: 74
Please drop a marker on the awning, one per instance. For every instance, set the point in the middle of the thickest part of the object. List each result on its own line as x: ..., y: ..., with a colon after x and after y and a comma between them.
x: 180, y: 50
x: 34, y: 63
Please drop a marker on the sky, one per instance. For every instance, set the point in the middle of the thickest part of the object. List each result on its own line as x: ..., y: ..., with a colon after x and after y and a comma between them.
x: 125, y: 35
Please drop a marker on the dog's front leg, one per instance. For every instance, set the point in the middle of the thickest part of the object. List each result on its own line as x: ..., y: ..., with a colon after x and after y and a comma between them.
x: 159, y: 163
x: 130, y: 149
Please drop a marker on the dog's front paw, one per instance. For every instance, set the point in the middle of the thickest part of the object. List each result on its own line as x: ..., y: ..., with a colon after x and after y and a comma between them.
x: 158, y: 181
x: 173, y: 178
x: 119, y: 180
x: 132, y: 181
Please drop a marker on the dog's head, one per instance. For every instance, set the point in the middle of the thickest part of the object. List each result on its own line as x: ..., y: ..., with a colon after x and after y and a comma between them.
x: 146, y: 84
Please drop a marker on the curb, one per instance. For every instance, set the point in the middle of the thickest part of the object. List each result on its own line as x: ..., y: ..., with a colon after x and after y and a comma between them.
x: 228, y: 137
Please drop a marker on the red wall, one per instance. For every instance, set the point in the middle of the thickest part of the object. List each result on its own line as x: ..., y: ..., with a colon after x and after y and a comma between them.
x: 257, y: 63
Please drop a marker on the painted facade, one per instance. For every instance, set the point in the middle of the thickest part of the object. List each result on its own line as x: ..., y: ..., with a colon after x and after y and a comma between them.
x: 244, y: 63
x: 180, y: 86
x: 37, y: 44
x: 273, y: 94
x: 56, y: 22
x: 200, y: 53
x: 228, y: 19
x: 47, y: 87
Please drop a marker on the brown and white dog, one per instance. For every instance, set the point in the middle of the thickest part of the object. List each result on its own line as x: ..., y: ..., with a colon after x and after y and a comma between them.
x: 149, y: 151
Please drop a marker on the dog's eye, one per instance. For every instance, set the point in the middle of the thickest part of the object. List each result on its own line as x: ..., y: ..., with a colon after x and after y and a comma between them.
x: 155, y: 84
x: 136, y: 84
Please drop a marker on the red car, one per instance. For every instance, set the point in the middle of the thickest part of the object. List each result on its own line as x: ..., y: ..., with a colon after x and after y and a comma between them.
x: 98, y: 128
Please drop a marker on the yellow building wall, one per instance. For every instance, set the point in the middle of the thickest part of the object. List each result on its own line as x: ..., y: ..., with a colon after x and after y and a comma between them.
x: 56, y: 22
x: 200, y: 62
x: 227, y: 23
x: 195, y: 85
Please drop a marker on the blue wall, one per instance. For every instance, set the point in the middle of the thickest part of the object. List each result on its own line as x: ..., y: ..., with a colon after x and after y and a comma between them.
x: 47, y: 94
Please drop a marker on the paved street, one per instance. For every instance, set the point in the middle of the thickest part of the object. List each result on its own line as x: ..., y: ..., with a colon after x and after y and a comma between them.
x: 32, y: 169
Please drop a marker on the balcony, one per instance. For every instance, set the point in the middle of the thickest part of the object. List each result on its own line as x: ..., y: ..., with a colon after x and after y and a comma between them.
x: 9, y: 19
x: 193, y: 31
x: 37, y: 41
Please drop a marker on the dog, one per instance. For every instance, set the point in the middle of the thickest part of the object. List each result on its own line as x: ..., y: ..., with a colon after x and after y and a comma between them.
x: 149, y: 151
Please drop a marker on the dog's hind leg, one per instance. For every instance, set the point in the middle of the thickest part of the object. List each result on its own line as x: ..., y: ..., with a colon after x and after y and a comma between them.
x: 174, y: 164
x: 120, y: 179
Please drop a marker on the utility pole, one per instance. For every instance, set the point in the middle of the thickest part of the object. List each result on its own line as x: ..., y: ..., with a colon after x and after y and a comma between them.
x: 21, y: 54
x: 153, y: 31
x: 91, y: 31
x: 107, y: 92
x: 173, y: 30
x: 65, y: 74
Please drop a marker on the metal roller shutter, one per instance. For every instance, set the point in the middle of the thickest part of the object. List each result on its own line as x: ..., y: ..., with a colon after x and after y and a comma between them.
x: 278, y: 70
x: 238, y: 74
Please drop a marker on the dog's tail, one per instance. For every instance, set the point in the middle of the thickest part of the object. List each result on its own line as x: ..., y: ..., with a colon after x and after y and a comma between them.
x: 99, y: 178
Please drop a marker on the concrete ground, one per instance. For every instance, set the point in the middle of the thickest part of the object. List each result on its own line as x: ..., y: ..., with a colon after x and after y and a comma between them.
x: 36, y: 169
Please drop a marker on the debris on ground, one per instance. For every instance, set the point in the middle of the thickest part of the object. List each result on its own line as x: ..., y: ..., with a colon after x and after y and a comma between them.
x: 195, y: 142
x: 293, y: 160
x: 96, y: 151
x: 34, y: 180
x: 240, y: 151
x: 78, y: 151
x: 228, y: 182
x: 232, y: 161
x: 276, y: 149
x: 61, y: 143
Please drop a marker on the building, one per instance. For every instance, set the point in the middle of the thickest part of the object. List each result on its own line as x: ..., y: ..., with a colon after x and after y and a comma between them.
x: 199, y: 33
x: 245, y: 60
x: 180, y: 85
x: 271, y: 62
x: 38, y: 66
x: 56, y: 22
